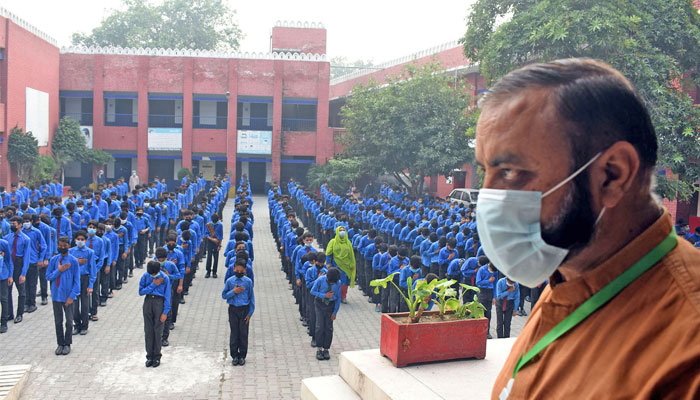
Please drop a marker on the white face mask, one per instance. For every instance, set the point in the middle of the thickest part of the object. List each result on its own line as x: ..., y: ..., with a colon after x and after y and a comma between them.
x: 510, y: 231
x: 80, y: 243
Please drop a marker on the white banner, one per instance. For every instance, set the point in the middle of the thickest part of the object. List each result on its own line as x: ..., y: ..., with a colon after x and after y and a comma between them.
x: 255, y: 142
x: 164, y: 138
x: 37, y: 115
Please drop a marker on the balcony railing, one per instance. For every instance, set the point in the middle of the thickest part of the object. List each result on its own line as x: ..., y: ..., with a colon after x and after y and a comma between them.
x: 299, y: 124
x: 82, y: 118
x: 209, y: 122
x: 255, y: 123
x: 121, y: 120
x: 164, y: 121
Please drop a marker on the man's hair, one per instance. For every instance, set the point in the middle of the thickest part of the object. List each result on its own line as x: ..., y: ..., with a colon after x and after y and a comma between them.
x: 161, y: 252
x: 333, y: 275
x: 153, y: 267
x: 599, y: 105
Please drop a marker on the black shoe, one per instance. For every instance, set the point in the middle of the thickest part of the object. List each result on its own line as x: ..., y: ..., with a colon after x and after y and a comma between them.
x: 149, y: 363
x: 488, y: 336
x: 38, y: 295
x: 241, y: 361
x: 171, y: 326
x: 182, y: 300
x: 214, y: 275
x: 523, y: 313
x: 155, y: 364
x: 234, y: 361
x: 313, y: 342
x: 76, y: 331
x: 83, y: 332
x: 131, y: 274
x: 18, y: 319
x: 66, y: 350
x: 208, y: 275
x: 326, y: 355
x: 319, y: 355
x: 118, y: 287
x: 103, y: 303
x: 59, y: 350
x: 3, y: 328
x: 31, y: 309
x: 44, y: 302
x: 304, y: 323
x: 164, y: 343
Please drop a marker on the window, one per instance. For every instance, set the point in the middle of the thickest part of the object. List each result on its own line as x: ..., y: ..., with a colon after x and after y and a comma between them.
x: 299, y: 115
x: 120, y: 110
x: 255, y: 115
x: 210, y: 113
x: 77, y: 105
x: 164, y: 112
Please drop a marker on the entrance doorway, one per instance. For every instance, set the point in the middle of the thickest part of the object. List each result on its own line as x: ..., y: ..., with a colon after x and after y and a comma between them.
x: 256, y: 175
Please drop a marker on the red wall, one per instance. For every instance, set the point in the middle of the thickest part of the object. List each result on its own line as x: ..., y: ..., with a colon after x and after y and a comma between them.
x: 29, y: 61
x: 304, y: 40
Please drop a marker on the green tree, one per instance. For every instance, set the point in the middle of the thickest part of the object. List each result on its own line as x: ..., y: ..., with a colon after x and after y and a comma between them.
x: 174, y: 24
x: 68, y: 144
x: 22, y: 151
x: 412, y: 127
x: 338, y: 173
x: 654, y: 43
x: 183, y: 172
x: 43, y: 169
x: 341, y: 66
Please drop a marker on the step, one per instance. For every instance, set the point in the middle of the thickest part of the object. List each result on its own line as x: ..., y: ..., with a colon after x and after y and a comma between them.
x: 12, y: 379
x: 331, y: 387
x: 373, y: 376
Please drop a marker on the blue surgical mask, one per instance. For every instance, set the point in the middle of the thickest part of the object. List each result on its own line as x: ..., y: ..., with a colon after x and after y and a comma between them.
x: 79, y: 209
x: 91, y: 231
x: 510, y: 232
x: 341, y: 234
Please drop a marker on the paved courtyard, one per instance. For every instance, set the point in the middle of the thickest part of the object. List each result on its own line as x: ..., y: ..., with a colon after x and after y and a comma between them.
x: 108, y: 363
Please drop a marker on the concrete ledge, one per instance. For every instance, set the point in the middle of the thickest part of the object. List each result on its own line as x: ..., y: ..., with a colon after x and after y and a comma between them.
x: 331, y: 387
x: 372, y: 376
x: 12, y: 379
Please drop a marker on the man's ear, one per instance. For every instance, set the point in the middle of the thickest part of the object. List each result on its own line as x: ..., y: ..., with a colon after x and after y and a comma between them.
x: 614, y: 173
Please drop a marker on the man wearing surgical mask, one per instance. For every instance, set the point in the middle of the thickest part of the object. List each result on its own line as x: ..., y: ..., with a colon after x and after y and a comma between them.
x: 569, y: 154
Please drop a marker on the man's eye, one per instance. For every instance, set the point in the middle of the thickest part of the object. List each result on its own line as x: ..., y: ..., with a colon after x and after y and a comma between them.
x: 509, y: 174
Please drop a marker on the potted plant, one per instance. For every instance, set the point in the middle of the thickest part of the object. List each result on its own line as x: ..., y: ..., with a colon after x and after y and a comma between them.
x: 457, y: 330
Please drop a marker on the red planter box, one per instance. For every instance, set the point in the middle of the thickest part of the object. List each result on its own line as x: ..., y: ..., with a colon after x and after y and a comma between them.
x: 406, y: 344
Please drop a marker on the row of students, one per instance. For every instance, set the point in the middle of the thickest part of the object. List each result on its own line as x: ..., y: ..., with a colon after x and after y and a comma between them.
x: 319, y: 279
x: 387, y: 231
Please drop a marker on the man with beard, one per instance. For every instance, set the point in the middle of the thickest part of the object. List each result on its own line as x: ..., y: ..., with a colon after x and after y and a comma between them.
x: 569, y: 152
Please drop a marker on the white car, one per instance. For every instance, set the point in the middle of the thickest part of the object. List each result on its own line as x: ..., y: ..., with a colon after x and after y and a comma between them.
x: 464, y: 197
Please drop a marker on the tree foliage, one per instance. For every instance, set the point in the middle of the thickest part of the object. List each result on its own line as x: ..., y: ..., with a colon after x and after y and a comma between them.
x: 68, y: 145
x: 412, y: 127
x: 43, y: 169
x: 342, y: 65
x: 22, y: 151
x: 183, y: 172
x: 174, y: 24
x: 654, y: 43
x: 338, y: 173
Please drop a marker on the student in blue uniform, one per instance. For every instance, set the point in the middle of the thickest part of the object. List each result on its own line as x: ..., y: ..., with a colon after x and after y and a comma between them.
x: 326, y: 294
x: 413, y: 270
x: 486, y: 278
x: 446, y: 255
x: 172, y: 263
x: 19, y: 252
x: 214, y: 236
x: 37, y: 254
x: 238, y: 293
x: 97, y: 245
x: 88, y: 274
x: 315, y: 270
x: 64, y: 274
x: 6, y: 269
x: 507, y: 298
x: 155, y: 286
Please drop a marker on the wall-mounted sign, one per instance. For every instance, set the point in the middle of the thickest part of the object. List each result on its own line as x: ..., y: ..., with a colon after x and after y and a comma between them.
x: 255, y: 142
x: 164, y: 138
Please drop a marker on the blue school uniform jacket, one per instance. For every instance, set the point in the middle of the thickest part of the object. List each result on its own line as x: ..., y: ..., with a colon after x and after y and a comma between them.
x: 64, y: 284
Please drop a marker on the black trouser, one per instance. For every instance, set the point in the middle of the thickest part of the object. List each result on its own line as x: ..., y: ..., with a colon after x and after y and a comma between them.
x: 324, y: 323
x: 403, y: 307
x: 367, y: 278
x: 5, y: 292
x: 434, y: 268
x: 162, y: 235
x: 394, y: 296
x: 442, y: 272
x: 130, y: 260
x: 21, y: 287
x: 299, y: 292
x: 82, y: 304
x: 310, y: 312
x: 32, y: 278
x: 95, y: 296
x: 105, y: 281
x: 64, y: 335
x: 153, y: 328
x: 524, y: 292
x: 504, y: 314
x: 141, y: 248
x: 188, y: 279
x: 377, y: 297
x: 238, y: 339
x: 117, y: 275
x: 485, y: 297
x: 212, y: 253
x: 424, y: 269
x: 152, y: 242
x: 43, y: 283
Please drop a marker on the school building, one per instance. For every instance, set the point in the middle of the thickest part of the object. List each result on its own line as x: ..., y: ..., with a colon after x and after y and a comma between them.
x: 270, y: 115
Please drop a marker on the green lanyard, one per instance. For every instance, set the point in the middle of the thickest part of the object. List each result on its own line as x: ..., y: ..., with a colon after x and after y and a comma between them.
x: 600, y: 298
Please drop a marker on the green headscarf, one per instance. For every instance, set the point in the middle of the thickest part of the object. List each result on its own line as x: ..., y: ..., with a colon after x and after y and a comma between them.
x: 343, y: 255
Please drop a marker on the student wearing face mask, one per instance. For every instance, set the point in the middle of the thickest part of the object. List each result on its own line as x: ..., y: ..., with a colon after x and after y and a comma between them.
x: 36, y: 252
x: 97, y: 245
x: 103, y: 288
x: 155, y: 287
x: 114, y: 241
x: 88, y: 275
x: 314, y: 271
x: 238, y: 293
x: 170, y: 261
x: 19, y: 247
x: 64, y: 274
x: 326, y: 292
x: 214, y: 237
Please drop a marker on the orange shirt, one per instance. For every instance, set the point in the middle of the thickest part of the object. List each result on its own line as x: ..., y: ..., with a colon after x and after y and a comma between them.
x: 643, y: 344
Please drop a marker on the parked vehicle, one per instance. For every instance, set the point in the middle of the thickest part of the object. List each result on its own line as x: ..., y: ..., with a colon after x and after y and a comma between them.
x: 463, y: 196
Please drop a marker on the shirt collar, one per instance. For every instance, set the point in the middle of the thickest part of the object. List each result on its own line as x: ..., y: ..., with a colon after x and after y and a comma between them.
x: 579, y: 289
